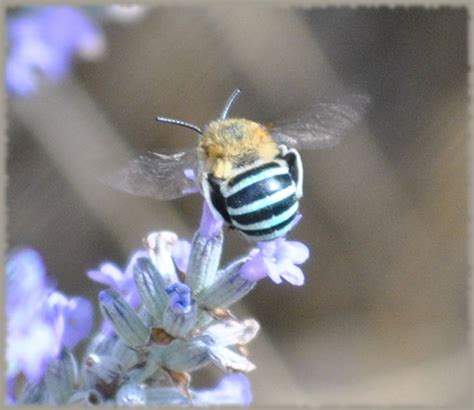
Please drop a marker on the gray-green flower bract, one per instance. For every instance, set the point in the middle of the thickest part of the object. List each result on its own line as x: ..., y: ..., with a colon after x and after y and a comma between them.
x: 204, y: 260
x: 151, y: 287
x: 229, y: 287
x: 126, y: 322
x: 62, y: 377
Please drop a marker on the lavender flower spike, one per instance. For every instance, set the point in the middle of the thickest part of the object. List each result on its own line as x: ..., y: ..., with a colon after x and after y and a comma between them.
x: 277, y: 259
x: 170, y: 314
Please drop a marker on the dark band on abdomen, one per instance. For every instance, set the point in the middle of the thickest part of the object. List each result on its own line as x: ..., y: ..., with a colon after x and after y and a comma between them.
x: 265, y: 213
x: 276, y: 230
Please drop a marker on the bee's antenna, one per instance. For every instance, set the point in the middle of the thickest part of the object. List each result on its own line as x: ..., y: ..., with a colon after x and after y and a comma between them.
x: 180, y: 123
x: 229, y: 102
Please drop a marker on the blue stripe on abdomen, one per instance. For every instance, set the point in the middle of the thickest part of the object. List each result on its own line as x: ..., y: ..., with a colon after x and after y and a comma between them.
x: 269, y: 223
x: 273, y: 232
x: 259, y: 190
x: 254, y: 178
x: 263, y: 202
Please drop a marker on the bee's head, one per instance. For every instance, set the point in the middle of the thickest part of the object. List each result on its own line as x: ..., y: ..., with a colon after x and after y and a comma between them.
x: 227, y: 144
x: 230, y: 143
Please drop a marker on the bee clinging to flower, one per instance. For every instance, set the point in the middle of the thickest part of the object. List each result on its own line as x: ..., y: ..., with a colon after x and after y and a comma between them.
x: 249, y: 174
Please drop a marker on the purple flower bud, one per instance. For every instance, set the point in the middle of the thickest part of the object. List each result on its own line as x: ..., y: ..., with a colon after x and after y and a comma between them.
x: 180, y: 297
x: 277, y: 259
x: 210, y: 226
x: 181, y: 313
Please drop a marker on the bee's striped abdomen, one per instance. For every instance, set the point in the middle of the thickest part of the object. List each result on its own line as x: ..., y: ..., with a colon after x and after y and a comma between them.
x: 261, y: 202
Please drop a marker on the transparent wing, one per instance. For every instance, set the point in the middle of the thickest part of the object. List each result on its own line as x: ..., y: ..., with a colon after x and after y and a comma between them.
x: 324, y: 124
x: 160, y: 176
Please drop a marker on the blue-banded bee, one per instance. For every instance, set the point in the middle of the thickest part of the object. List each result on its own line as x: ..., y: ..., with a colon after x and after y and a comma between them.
x: 250, y: 175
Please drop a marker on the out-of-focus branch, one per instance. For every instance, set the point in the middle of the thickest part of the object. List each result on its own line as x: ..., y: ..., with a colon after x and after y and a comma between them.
x: 76, y: 135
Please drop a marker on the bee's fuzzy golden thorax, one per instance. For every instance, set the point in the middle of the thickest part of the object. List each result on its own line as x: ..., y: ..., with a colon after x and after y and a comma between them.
x: 229, y: 144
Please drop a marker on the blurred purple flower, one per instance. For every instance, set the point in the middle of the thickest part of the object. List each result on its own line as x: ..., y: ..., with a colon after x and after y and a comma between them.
x: 45, y: 40
x: 31, y: 339
x: 110, y: 275
x: 70, y: 30
x: 277, y: 259
x: 26, y: 277
x: 72, y: 318
x: 233, y: 389
x: 40, y: 321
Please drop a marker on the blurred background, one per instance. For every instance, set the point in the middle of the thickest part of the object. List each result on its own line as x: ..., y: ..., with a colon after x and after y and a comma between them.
x: 383, y: 315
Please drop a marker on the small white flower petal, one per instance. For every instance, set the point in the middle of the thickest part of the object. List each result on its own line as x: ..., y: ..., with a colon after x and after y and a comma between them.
x: 273, y: 272
x: 111, y: 274
x: 296, y: 251
x: 228, y: 360
x: 293, y: 275
x: 232, y: 332
x: 160, y: 246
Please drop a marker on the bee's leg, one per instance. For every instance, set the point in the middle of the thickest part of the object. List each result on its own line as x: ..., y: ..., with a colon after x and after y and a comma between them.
x: 283, y: 149
x: 293, y: 159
